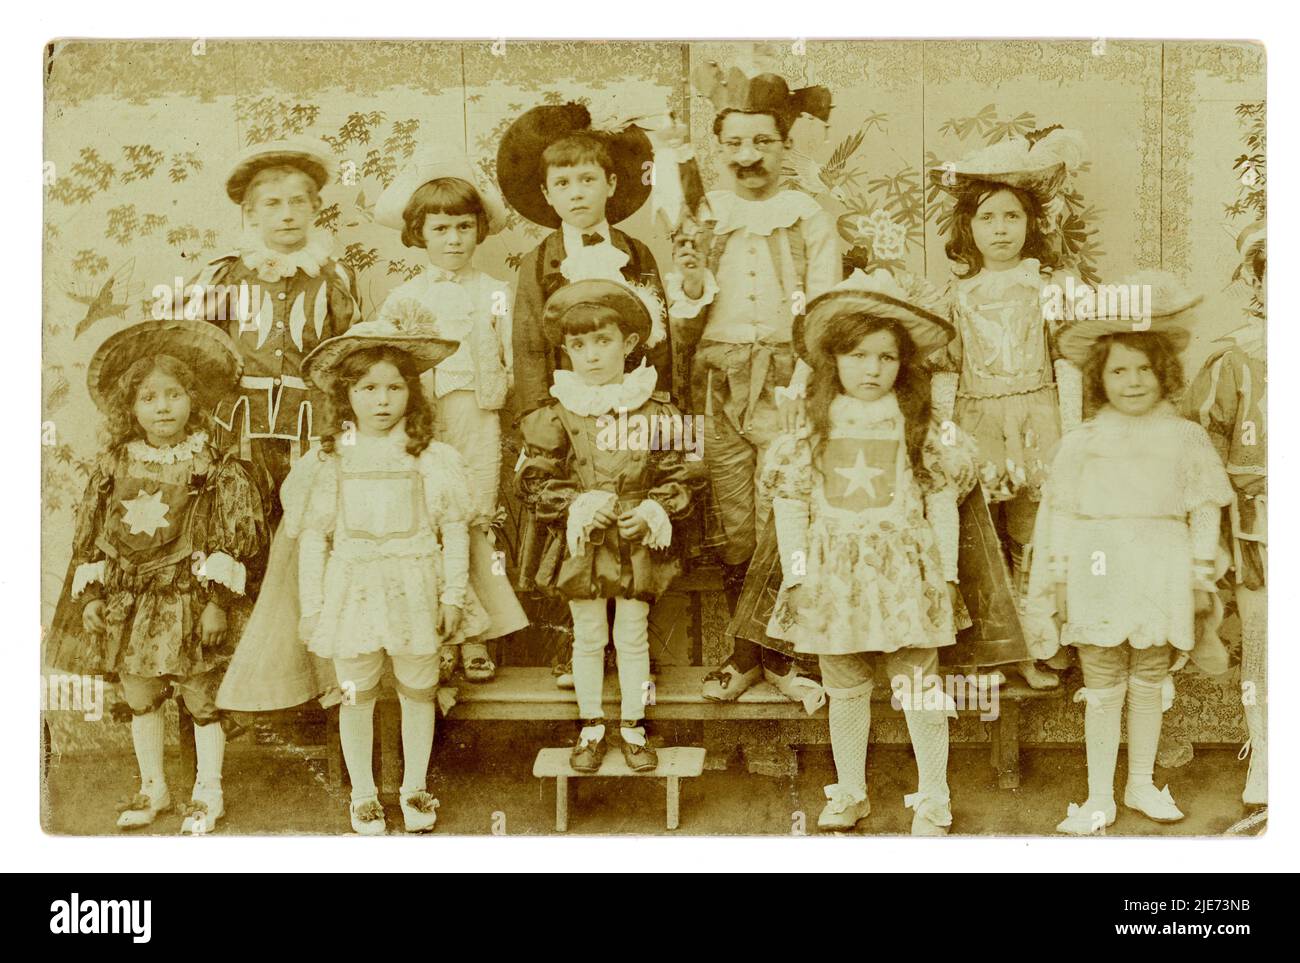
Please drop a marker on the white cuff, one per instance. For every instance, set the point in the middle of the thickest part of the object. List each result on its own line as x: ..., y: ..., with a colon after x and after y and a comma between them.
x: 581, y: 512
x: 943, y: 394
x: 87, y: 573
x: 941, y: 510
x: 455, y: 562
x: 661, y: 527
x: 1069, y: 394
x: 790, y: 517
x: 224, y: 570
x: 682, y: 307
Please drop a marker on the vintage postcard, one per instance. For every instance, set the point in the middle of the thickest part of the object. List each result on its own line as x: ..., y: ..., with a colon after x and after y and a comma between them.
x: 674, y: 437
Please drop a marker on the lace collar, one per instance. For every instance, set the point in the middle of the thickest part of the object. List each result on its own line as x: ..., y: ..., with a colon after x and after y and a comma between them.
x: 848, y: 410
x: 1111, y: 417
x: 992, y: 284
x: 782, y: 209
x: 590, y: 400
x: 276, y: 265
x: 140, y: 450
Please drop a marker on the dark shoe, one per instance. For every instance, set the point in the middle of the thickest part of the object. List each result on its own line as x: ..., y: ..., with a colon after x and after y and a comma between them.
x: 639, y: 758
x: 586, y: 757
x: 728, y: 683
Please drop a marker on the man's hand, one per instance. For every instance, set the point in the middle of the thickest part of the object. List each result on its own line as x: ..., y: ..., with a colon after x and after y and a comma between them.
x: 687, y: 261
x: 791, y: 412
x: 449, y: 617
x: 92, y: 617
x: 633, y: 527
x: 212, y: 624
x: 604, y: 518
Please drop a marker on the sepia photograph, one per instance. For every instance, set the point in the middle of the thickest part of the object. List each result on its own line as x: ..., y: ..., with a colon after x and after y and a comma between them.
x: 670, y: 438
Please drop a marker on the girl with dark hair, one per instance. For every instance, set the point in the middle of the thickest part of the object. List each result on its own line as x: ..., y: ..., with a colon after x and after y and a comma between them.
x: 157, y: 588
x: 865, y: 504
x: 1002, y: 379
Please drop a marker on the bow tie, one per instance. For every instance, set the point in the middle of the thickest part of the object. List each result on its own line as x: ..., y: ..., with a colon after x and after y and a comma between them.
x: 588, y: 240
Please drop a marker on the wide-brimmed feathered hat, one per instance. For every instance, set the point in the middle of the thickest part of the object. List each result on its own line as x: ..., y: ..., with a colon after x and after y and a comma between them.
x: 412, y: 333
x: 1159, y: 291
x: 203, y: 347
x: 904, y: 298
x: 310, y: 156
x: 431, y: 167
x: 595, y: 294
x: 520, y: 154
x: 1037, y: 164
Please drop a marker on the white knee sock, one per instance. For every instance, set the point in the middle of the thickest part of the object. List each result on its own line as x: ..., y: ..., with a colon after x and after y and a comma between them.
x: 147, y: 736
x: 928, y: 729
x: 1144, y: 717
x: 210, y: 751
x: 850, y: 719
x: 417, y: 743
x: 590, y: 637
x: 632, y: 642
x: 357, y: 735
x: 1101, y: 723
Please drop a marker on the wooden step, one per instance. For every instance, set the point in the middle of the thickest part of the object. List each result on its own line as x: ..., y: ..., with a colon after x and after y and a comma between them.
x: 675, y: 763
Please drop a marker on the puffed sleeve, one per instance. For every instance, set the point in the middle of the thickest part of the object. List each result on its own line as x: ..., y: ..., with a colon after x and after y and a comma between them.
x: 344, y: 296
x: 1205, y: 489
x: 320, y: 508
x: 447, y: 499
x: 88, y: 559
x: 787, y: 476
x: 1212, y: 401
x: 235, y: 531
x: 948, y: 456
x: 543, y: 478
x: 671, y: 479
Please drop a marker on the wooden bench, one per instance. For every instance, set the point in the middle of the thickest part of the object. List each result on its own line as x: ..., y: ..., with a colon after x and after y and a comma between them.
x: 675, y: 764
x: 529, y: 693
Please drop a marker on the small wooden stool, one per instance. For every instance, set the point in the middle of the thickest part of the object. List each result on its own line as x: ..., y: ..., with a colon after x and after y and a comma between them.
x: 675, y: 763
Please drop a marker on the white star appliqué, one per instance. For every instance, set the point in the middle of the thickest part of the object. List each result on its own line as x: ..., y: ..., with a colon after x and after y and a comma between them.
x: 860, y: 476
x: 146, y: 513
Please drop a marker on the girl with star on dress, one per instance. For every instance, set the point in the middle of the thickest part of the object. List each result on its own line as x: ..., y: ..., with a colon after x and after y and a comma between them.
x: 165, y: 534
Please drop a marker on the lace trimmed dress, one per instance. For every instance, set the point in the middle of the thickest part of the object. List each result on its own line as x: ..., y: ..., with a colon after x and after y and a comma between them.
x: 880, y: 546
x: 1131, y: 503
x: 371, y: 551
x: 160, y: 533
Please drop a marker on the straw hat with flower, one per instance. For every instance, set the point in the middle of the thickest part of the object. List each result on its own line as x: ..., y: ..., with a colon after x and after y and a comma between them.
x: 412, y: 331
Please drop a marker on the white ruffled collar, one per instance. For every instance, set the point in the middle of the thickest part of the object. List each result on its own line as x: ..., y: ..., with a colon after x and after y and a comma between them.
x: 586, y: 400
x: 140, y: 450
x: 1028, y: 273
x: 783, y: 209
x: 846, y: 409
x: 1113, y: 417
x: 276, y: 266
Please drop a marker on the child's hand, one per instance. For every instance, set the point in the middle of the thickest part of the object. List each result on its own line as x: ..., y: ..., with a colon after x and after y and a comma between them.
x: 1061, y: 614
x: 633, y: 527
x: 212, y: 624
x: 687, y: 261
x: 92, y: 617
x: 604, y: 518
x: 790, y: 411
x: 448, y: 620
x: 307, y: 626
x: 1204, y: 601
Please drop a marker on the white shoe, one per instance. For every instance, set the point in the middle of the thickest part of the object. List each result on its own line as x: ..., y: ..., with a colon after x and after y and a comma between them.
x: 1087, y: 820
x: 1153, y: 803
x: 367, y: 817
x: 843, y: 809
x: 145, y: 806
x: 419, y: 811
x: 203, y: 810
x: 931, y: 817
x: 797, y: 688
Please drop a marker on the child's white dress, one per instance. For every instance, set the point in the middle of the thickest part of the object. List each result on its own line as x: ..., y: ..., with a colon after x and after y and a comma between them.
x: 1130, y: 503
x: 370, y: 558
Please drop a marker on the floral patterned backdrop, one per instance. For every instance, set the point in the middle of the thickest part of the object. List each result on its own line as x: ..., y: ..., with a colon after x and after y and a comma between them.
x: 139, y: 134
